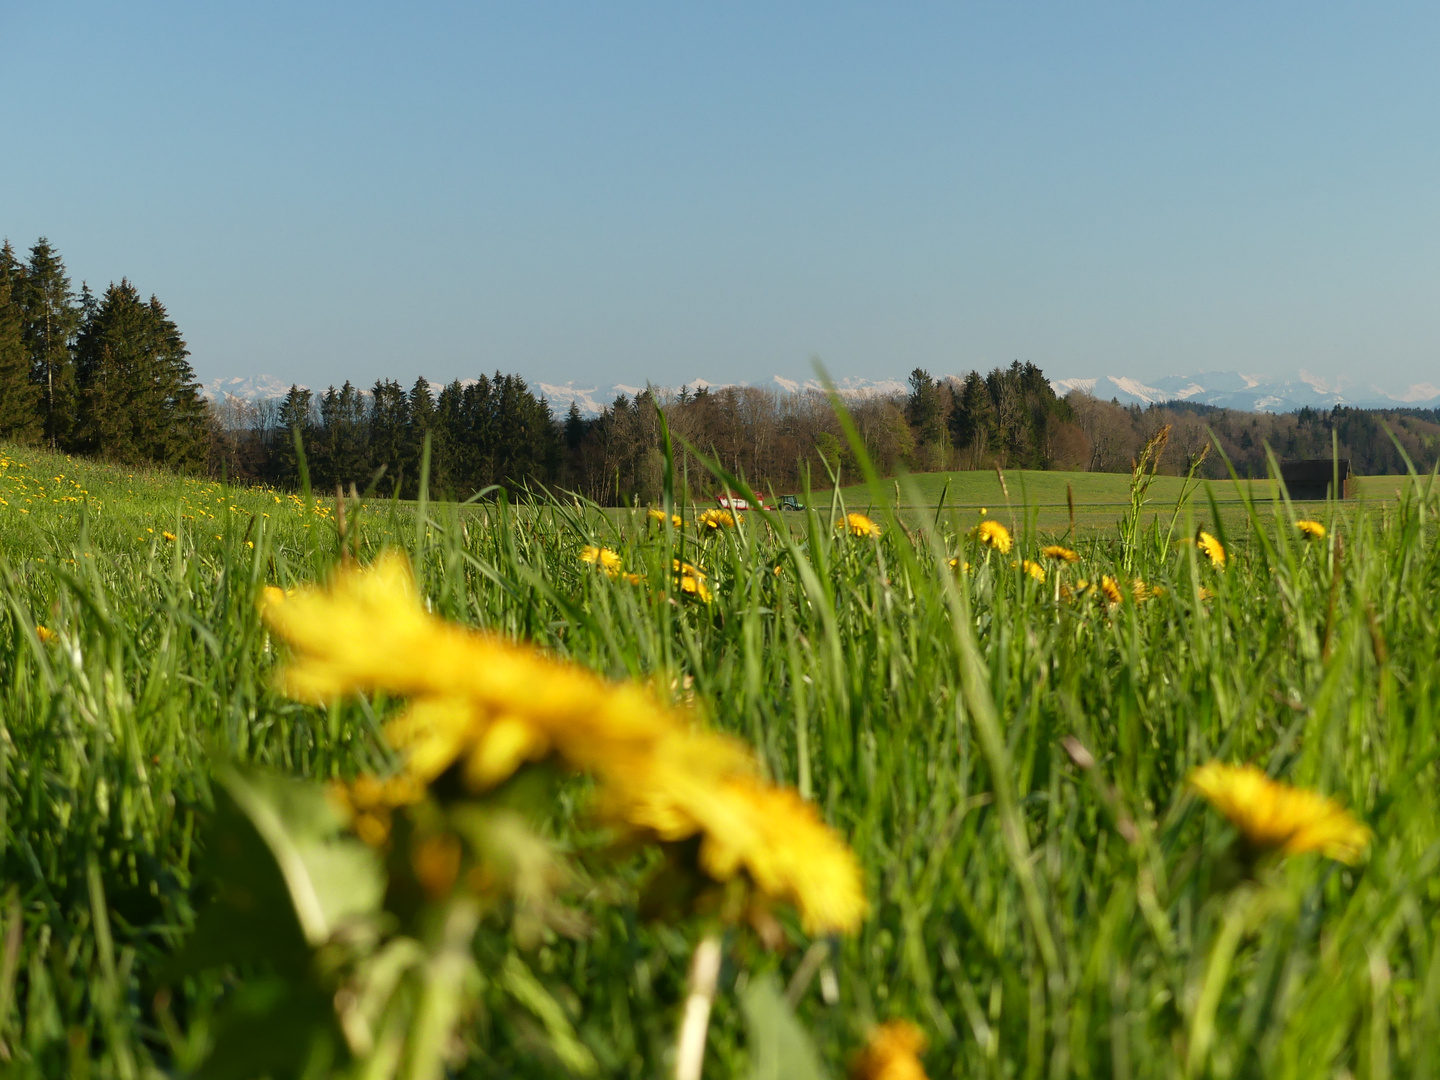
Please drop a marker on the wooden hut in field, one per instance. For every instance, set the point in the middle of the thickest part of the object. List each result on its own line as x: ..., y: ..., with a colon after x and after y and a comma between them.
x: 1311, y: 481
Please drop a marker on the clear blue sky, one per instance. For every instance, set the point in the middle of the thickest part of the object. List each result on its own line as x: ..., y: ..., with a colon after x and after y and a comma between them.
x: 622, y: 191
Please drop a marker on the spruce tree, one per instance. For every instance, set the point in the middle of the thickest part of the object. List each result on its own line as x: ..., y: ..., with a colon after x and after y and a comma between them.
x: 972, y: 424
x: 138, y: 399
x: 51, y: 322
x: 388, y: 430
x: 341, y: 446
x: 296, y: 415
x: 172, y: 394
x: 20, y: 419
x: 421, y: 421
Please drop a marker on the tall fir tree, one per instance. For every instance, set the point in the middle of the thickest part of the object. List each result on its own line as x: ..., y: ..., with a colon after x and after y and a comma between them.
x: 138, y: 399
x: 341, y: 442
x: 20, y: 419
x: 297, y: 415
x: 388, y: 430
x: 173, y: 394
x: 51, y: 323
x: 421, y: 422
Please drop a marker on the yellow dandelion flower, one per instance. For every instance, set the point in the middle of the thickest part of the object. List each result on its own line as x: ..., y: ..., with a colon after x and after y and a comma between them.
x: 1143, y: 592
x: 715, y: 520
x: 1206, y: 594
x: 484, y: 706
x: 770, y: 833
x: 658, y: 516
x: 1212, y: 548
x: 992, y: 534
x: 1277, y: 817
x: 168, y: 535
x: 271, y: 594
x: 1311, y: 530
x: 602, y: 557
x: 634, y: 579
x: 1059, y: 553
x: 45, y: 634
x: 1111, y: 588
x: 958, y: 566
x: 691, y: 581
x: 893, y: 1053
x: 367, y: 802
x: 1033, y: 568
x: 858, y: 525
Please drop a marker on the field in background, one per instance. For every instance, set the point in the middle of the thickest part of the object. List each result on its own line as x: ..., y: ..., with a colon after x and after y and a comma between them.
x: 1120, y: 938
x: 1099, y: 498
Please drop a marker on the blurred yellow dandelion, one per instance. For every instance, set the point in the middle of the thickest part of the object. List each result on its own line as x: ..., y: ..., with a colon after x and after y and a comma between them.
x: 993, y: 534
x: 1277, y: 817
x: 168, y: 535
x: 715, y: 520
x: 45, y: 634
x: 858, y: 525
x: 602, y: 557
x: 1111, y: 588
x: 1311, y: 530
x: 892, y: 1053
x: 958, y: 566
x: 659, y: 517
x: 1213, y: 549
x: 485, y: 706
x: 1033, y: 568
x: 691, y: 581
x: 1059, y: 553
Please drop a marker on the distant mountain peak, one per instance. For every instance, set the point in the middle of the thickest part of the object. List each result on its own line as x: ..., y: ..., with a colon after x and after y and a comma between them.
x: 1249, y: 393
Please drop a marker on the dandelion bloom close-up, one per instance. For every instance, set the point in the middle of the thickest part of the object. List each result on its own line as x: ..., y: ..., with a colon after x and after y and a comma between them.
x: 858, y: 525
x: 994, y: 535
x: 603, y: 557
x: 715, y: 520
x: 1033, y: 568
x: 1213, y: 549
x: 1111, y: 588
x: 659, y: 517
x: 1060, y: 553
x: 484, y: 706
x: 892, y: 1053
x: 691, y: 581
x: 45, y: 634
x: 1311, y: 530
x: 1277, y: 817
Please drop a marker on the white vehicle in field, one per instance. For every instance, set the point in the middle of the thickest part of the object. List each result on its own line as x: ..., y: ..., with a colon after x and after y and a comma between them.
x: 734, y: 502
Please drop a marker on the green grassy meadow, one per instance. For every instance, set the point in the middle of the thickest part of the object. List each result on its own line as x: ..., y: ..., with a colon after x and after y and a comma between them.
x: 1005, y: 756
x: 1044, y: 498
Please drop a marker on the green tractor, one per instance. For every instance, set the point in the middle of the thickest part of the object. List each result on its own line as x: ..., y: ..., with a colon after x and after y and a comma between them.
x: 790, y: 502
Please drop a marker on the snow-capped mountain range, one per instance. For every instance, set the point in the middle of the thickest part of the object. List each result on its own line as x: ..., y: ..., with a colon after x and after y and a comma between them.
x: 591, y: 399
x: 1251, y: 393
x: 1223, y: 389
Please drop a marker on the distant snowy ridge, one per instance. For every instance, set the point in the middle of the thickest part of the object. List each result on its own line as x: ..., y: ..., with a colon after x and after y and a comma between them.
x: 592, y: 401
x: 254, y: 388
x: 1223, y: 389
x: 1250, y: 393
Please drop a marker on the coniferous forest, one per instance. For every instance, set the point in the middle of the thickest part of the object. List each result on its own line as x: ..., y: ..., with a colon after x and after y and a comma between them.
x: 108, y: 377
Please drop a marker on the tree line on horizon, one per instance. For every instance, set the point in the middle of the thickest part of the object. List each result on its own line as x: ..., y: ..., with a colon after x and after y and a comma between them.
x: 108, y: 376
x: 105, y: 376
x: 495, y: 431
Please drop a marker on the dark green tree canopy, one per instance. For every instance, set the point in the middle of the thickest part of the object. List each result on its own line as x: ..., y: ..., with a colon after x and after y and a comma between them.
x: 20, y: 418
x: 138, y: 399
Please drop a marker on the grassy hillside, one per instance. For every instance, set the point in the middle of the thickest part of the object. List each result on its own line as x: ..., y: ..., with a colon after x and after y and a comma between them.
x: 1005, y: 756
